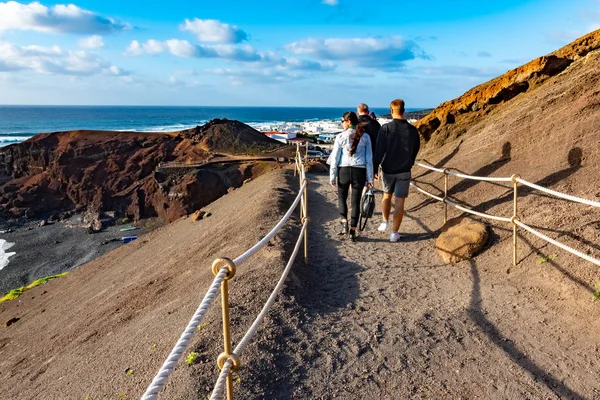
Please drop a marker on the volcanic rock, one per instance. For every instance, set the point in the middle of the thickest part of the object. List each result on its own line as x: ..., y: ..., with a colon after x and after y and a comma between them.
x: 454, y: 118
x: 134, y: 175
x: 461, y: 239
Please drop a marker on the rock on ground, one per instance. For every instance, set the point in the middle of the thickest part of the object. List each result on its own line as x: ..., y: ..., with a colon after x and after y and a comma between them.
x: 461, y: 239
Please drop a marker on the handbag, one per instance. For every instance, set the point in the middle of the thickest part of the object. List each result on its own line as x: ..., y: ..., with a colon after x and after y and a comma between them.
x: 367, y: 207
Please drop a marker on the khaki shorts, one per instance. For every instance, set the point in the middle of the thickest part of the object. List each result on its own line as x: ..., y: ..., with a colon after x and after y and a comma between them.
x: 397, y: 184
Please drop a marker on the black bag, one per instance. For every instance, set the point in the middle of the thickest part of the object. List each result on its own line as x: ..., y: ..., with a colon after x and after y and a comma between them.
x: 367, y: 207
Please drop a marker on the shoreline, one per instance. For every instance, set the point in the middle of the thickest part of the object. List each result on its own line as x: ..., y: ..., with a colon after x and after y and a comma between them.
x: 52, y: 248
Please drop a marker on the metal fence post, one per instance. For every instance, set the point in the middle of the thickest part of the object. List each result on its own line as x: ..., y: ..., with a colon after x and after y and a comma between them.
x: 306, y: 155
x: 305, y: 219
x: 445, y: 196
x: 515, y: 216
x: 227, y: 354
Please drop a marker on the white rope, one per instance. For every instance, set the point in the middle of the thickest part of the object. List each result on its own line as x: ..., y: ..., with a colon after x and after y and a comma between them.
x: 217, y: 393
x: 167, y: 368
x: 460, y: 175
x: 559, y: 194
x: 465, y: 209
x: 241, y: 259
x: 478, y: 178
x: 426, y: 192
x: 219, y: 387
x: 557, y: 243
x: 484, y: 215
x: 430, y: 167
x: 252, y: 331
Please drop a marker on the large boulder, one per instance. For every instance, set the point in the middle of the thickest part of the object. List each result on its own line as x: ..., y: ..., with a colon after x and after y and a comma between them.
x: 461, y: 239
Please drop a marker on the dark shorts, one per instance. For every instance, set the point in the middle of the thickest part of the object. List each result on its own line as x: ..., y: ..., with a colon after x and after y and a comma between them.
x: 397, y: 184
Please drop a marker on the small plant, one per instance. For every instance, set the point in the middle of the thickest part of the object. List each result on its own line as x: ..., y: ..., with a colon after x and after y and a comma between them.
x: 201, y: 326
x: 129, y: 371
x: 192, y: 358
x: 125, y: 220
x: 153, y: 346
x: 542, y: 259
x: 597, y: 292
x: 150, y: 225
x: 122, y: 395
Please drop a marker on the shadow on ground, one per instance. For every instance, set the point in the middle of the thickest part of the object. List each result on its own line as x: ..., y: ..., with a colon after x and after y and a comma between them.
x: 516, y: 355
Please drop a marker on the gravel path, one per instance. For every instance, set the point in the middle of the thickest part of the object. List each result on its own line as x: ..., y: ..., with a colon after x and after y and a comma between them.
x: 389, y: 320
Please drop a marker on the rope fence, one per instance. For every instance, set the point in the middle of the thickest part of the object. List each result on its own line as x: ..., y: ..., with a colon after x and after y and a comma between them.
x: 514, y: 219
x: 224, y: 269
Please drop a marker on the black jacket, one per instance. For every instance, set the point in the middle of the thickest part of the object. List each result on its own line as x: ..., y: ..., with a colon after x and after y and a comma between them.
x: 372, y: 128
x: 397, y: 146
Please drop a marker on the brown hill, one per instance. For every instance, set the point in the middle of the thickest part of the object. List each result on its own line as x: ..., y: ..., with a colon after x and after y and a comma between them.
x: 548, y: 134
x: 456, y: 118
x: 117, y: 171
x: 231, y: 137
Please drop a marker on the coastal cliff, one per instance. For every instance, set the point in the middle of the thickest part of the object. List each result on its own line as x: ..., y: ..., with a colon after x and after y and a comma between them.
x: 81, y: 170
x: 454, y: 118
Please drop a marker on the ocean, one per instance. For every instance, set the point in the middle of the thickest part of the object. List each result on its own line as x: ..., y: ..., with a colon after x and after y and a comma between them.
x: 18, y: 123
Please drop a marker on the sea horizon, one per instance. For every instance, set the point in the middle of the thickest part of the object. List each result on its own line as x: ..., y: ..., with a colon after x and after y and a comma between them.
x: 20, y: 122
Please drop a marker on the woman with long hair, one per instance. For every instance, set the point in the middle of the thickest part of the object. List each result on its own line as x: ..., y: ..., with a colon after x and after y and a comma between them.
x: 351, y: 165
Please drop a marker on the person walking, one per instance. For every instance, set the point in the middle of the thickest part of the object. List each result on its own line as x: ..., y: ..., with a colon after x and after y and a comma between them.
x: 396, y: 150
x: 372, y: 127
x: 351, y: 165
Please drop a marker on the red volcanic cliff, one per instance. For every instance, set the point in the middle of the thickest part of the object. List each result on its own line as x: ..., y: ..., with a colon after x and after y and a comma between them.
x: 118, y: 171
x: 453, y: 118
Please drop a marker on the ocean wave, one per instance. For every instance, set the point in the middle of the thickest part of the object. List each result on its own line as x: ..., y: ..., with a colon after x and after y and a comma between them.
x: 5, y: 140
x: 4, y: 255
x: 170, y: 128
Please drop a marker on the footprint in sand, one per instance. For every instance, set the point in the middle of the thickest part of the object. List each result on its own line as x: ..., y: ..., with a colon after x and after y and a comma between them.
x: 4, y: 255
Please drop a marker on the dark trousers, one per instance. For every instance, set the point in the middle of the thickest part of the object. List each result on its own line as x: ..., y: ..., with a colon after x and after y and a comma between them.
x: 355, y: 177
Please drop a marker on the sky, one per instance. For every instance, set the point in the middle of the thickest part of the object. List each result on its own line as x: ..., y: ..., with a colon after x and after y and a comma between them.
x: 314, y: 53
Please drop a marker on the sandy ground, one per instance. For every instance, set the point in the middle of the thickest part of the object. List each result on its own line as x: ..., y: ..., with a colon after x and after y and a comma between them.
x: 370, y: 319
x: 57, y: 247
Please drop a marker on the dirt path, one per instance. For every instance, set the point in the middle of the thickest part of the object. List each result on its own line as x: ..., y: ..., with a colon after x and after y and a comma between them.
x: 389, y: 320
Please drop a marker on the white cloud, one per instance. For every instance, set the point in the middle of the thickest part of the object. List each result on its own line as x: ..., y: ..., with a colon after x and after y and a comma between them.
x: 58, y: 19
x: 374, y: 52
x: 239, y: 77
x: 183, y: 48
x: 307, y: 65
x: 245, y: 54
x: 92, y: 42
x: 210, y: 30
x: 330, y: 2
x: 54, y: 61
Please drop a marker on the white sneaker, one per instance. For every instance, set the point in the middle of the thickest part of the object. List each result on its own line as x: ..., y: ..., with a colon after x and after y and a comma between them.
x: 383, y: 226
x: 395, y: 236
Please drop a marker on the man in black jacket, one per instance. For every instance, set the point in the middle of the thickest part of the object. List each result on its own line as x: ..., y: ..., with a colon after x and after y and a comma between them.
x: 397, y: 146
x: 371, y: 125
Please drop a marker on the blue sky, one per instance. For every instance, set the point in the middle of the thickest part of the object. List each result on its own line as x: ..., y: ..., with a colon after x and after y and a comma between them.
x: 273, y: 53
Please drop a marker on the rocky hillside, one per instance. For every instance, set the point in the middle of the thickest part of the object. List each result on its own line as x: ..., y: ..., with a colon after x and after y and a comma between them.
x: 549, y: 134
x: 455, y: 118
x: 118, y: 171
x: 230, y: 137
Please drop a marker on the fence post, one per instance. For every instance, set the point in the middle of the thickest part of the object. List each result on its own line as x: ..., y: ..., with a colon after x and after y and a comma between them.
x: 445, y: 196
x: 305, y: 219
x: 227, y: 354
x: 514, y: 216
x: 306, y: 155
x: 301, y: 176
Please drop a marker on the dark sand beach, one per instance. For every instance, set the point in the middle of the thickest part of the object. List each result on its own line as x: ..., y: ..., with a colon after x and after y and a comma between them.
x: 57, y: 247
